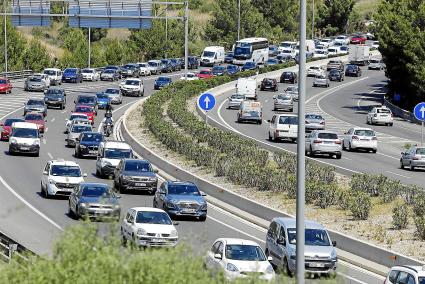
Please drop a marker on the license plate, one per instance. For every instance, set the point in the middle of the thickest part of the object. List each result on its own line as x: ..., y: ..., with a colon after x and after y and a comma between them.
x: 364, y: 139
x: 140, y: 184
x: 189, y: 210
x: 157, y: 240
x: 314, y: 264
x: 25, y: 148
x: 93, y: 151
x: 329, y: 142
x: 383, y: 115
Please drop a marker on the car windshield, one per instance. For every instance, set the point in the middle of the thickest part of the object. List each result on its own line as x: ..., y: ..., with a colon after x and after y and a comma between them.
x: 284, y: 98
x: 208, y: 54
x: 54, y: 92
x: 80, y: 128
x: 112, y: 91
x: 206, y: 72
x: 94, y: 137
x: 49, y: 72
x: 236, y: 96
x: 147, y: 217
x: 9, y: 121
x: 67, y: 171
x: 313, y: 237
x: 143, y: 65
x: 340, y: 37
x: 77, y: 116
x: 326, y: 40
x: 245, y: 253
x: 34, y: 116
x: 153, y: 64
x: 83, y: 109
x: 320, y: 77
x: 292, y: 89
x: 35, y: 103
x: 293, y: 120
x: 129, y: 66
x: 25, y: 133
x: 364, y: 132
x: 272, y: 61
x: 420, y: 151
x: 352, y: 67
x: 183, y: 189
x: 163, y: 79
x: 102, y: 96
x: 314, y: 68
x: 320, y: 51
x: 95, y: 191
x: 313, y: 116
x: 375, y: 61
x: 109, y: 71
x: 421, y: 280
x: 70, y: 70
x: 86, y: 100
x: 383, y: 110
x: 287, y: 75
x: 132, y: 82
x: 249, y: 64
x: 242, y: 51
x: 333, y: 72
x: 137, y: 166
x: 230, y: 67
x: 112, y: 153
x: 89, y: 71
x: 219, y: 68
x: 327, y: 136
x: 34, y: 79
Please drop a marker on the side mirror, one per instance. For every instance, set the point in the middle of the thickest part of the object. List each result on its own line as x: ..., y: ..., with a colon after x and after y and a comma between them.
x: 270, y: 258
x: 334, y: 243
x: 217, y: 256
x: 203, y: 193
x: 268, y: 120
x: 175, y: 223
x: 84, y: 175
x: 281, y: 242
x: 45, y: 173
x: 155, y: 171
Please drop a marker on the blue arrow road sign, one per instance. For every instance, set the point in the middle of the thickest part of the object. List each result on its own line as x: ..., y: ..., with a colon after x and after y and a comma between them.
x: 419, y: 111
x: 206, y: 101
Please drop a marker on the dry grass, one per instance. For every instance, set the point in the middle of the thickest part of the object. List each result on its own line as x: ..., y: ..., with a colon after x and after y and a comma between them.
x: 366, y: 7
x: 53, y: 50
x: 119, y: 34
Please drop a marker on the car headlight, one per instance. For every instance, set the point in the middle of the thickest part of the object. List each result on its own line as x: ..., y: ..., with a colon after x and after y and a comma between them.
x: 174, y: 234
x: 170, y: 204
x: 141, y: 232
x: 153, y: 179
x: 36, y: 142
x: 13, y: 141
x: 333, y: 255
x: 270, y: 269
x: 52, y: 181
x: 231, y: 267
x: 82, y: 204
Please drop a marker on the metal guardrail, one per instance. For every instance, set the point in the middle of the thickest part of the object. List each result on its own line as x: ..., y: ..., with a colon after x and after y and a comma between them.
x: 12, y: 251
x: 17, y: 74
x: 399, y: 112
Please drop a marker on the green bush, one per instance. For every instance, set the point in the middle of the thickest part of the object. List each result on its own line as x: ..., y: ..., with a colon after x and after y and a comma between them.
x: 400, y: 215
x: 420, y: 226
x: 370, y: 184
x: 360, y: 204
x: 419, y: 204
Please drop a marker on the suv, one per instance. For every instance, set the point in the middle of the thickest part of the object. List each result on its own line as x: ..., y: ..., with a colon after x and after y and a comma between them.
x: 335, y: 64
x: 25, y: 138
x: 55, y: 98
x: 130, y: 70
x: 109, y: 155
x: 136, y: 175
x: 180, y: 198
x: 269, y: 84
x: 155, y: 67
x: 406, y: 274
x: 288, y: 77
x: 35, y: 105
x: 88, y: 144
x: 60, y: 178
x: 132, y: 86
x: 72, y: 75
x: 380, y: 115
x: 320, y: 252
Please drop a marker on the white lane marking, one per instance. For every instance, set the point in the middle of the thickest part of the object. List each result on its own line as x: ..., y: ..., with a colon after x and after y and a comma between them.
x: 397, y: 174
x: 29, y: 204
x: 53, y: 120
x: 6, y: 115
x: 44, y: 140
x: 50, y: 156
x: 351, y: 278
x: 64, y: 111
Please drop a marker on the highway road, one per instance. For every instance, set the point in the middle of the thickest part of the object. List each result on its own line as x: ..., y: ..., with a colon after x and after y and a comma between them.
x: 36, y: 222
x: 343, y: 105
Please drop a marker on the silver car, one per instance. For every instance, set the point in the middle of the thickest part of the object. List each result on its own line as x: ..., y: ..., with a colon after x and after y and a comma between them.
x: 35, y: 83
x: 376, y: 64
x: 234, y: 101
x: 321, y: 80
x: 283, y: 102
x: 314, y: 122
x: 74, y: 133
x: 293, y: 91
x: 155, y: 67
x: 114, y: 95
x: 413, y: 158
x: 323, y: 142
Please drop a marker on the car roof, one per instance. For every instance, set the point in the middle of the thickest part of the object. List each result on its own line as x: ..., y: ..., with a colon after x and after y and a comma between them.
x: 133, y: 79
x: 420, y: 270
x: 25, y: 125
x: 146, y: 209
x: 325, y: 131
x: 178, y: 182
x: 116, y: 145
x: 291, y: 223
x: 64, y: 163
x: 362, y: 128
x: 235, y: 241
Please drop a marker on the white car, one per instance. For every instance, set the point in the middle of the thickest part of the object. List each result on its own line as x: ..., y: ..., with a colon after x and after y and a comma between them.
x: 132, y: 87
x: 314, y: 71
x: 238, y: 258
x: 189, y: 77
x: 321, y: 53
x: 343, y: 50
x: 293, y: 91
x: 323, y: 142
x: 234, y: 101
x: 333, y: 50
x: 326, y: 42
x: 60, y: 178
x: 148, y: 227
x: 342, y: 40
x: 144, y: 69
x: 380, y: 115
x: 375, y: 44
x: 360, y: 138
x: 283, y: 102
x: 90, y: 74
x: 78, y: 120
x: 72, y: 117
x: 321, y: 81
x: 283, y: 126
x: 109, y: 155
x: 44, y: 77
x: 406, y: 274
x: 376, y: 64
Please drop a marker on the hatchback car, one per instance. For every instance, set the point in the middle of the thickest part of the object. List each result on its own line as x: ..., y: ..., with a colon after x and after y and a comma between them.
x: 321, y: 81
x: 234, y: 101
x: 189, y: 76
x: 293, y: 91
x: 360, y: 138
x: 90, y: 74
x: 5, y: 86
x: 283, y: 102
x: 336, y: 75
x: 74, y: 133
x: 314, y: 71
x: 269, y: 84
x: 380, y: 115
x: 114, y: 94
x: 288, y: 77
x: 322, y: 142
x: 34, y: 83
x: 205, y: 74
x: 72, y: 75
x: 6, y: 127
x: 103, y: 100
x: 161, y: 82
x: 130, y: 70
x: 88, y: 110
x: 88, y: 144
x: 110, y: 75
x: 353, y: 71
x: 180, y: 199
x: 87, y: 100
x: 376, y: 64
x: 35, y: 105
x: 55, y: 98
x: 232, y: 69
x: 135, y: 175
x: 228, y: 58
x: 94, y: 200
x: 314, y: 122
x: 36, y: 118
x: 132, y: 87
x: 271, y: 62
x: 413, y: 158
x: 219, y: 70
x: 72, y: 117
x: 358, y: 39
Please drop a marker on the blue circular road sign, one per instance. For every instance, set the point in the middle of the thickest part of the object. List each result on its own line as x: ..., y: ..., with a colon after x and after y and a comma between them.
x: 206, y: 101
x: 419, y: 111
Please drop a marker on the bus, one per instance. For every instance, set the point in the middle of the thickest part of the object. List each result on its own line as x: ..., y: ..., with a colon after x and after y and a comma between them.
x: 251, y: 49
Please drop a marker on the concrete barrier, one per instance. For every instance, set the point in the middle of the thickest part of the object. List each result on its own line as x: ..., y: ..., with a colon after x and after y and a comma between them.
x: 399, y: 112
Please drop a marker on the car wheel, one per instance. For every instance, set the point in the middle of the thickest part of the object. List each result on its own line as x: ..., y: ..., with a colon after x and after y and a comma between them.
x: 338, y: 156
x: 349, y: 147
x: 202, y: 218
x: 401, y: 164
x: 374, y: 150
x: 70, y: 212
x: 390, y: 124
x: 411, y: 167
x: 154, y: 205
x: 286, y: 269
x: 270, y: 137
x: 310, y: 152
x: 367, y: 120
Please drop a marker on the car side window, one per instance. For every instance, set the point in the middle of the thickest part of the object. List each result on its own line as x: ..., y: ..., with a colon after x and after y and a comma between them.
x: 215, y: 246
x: 127, y: 216
x: 131, y: 218
x: 282, y: 234
x: 47, y: 168
x: 393, y: 276
x: 402, y: 278
x: 272, y: 232
x: 220, y: 249
x: 410, y: 279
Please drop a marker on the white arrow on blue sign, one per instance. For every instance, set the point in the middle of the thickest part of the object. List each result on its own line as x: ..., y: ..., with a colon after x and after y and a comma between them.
x: 419, y: 111
x: 206, y: 101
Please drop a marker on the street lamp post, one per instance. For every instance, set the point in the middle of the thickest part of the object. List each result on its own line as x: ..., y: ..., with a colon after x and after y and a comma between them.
x: 301, y: 148
x: 239, y: 18
x: 166, y: 30
x: 312, y: 21
x: 89, y: 59
x: 186, y: 37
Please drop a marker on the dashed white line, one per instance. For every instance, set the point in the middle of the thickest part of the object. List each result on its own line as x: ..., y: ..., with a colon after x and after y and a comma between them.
x: 53, y: 120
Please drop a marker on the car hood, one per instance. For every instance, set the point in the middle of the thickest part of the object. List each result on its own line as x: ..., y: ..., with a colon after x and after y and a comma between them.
x: 37, y: 107
x: 72, y: 180
x: 250, y: 266
x: 186, y: 198
x: 3, y: 85
x: 113, y: 162
x: 69, y: 74
x: 138, y: 174
x: 313, y: 120
x: 161, y: 83
x: 96, y: 199
x: 103, y: 101
x: 130, y: 86
x: 89, y: 143
x: 108, y: 74
x: 28, y: 141
x: 316, y: 251
x: 38, y: 122
x: 73, y: 135
x: 156, y: 228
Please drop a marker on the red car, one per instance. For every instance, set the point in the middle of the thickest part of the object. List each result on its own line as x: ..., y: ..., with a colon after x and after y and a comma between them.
x: 358, y: 39
x: 7, y: 127
x: 205, y: 74
x: 88, y: 110
x: 36, y: 118
x: 5, y: 86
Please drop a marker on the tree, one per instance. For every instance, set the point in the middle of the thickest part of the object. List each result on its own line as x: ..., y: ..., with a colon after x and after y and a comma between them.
x: 76, y: 45
x: 36, y: 56
x: 15, y: 48
x: 332, y: 16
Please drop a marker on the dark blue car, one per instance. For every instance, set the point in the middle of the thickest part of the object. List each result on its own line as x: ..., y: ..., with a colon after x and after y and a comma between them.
x: 232, y: 69
x: 219, y: 70
x: 181, y: 199
x: 249, y: 66
x: 103, y: 100
x: 228, y: 58
x: 161, y: 82
x: 88, y: 144
x: 72, y: 75
x: 272, y: 61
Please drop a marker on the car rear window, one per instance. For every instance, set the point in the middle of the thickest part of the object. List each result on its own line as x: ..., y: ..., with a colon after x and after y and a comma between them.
x: 364, y: 133
x: 313, y: 116
x: 383, y: 110
x: 327, y: 136
x: 288, y: 120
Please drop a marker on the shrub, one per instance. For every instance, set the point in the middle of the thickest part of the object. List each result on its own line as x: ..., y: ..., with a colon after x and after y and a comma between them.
x: 400, y: 215
x: 420, y: 226
x: 370, y: 184
x: 327, y: 195
x: 419, y: 205
x: 342, y: 198
x: 389, y: 190
x: 360, y: 204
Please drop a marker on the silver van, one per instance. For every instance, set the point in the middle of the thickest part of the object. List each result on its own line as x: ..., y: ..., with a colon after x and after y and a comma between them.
x: 155, y: 66
x: 320, y: 252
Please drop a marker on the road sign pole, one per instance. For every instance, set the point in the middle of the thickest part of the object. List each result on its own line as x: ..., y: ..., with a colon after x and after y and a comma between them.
x: 186, y: 36
x: 5, y: 36
x: 419, y: 113
x: 206, y: 117
x: 422, y: 134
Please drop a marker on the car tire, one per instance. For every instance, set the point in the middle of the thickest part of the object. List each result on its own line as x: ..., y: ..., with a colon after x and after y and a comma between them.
x: 202, y: 218
x: 411, y: 168
x: 401, y: 164
x: 310, y: 152
x: 374, y: 150
x: 37, y: 154
x: 390, y: 124
x: 285, y: 268
x: 270, y: 137
x: 349, y: 147
x: 338, y: 156
x: 70, y: 212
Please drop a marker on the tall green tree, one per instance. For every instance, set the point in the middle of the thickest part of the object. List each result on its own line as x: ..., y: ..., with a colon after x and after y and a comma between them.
x: 332, y: 15
x: 36, y: 56
x: 76, y: 45
x: 15, y: 48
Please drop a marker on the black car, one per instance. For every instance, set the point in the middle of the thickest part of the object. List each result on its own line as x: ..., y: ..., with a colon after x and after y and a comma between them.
x: 269, y: 84
x: 135, y: 174
x: 219, y: 70
x: 88, y: 144
x: 192, y: 62
x: 288, y: 77
x: 228, y: 58
x: 336, y: 75
x: 175, y: 62
x: 161, y: 82
x: 353, y: 71
x: 130, y: 70
x: 167, y: 66
x: 55, y: 98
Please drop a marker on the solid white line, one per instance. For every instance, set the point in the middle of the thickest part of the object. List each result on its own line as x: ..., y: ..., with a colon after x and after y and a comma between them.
x: 397, y: 174
x: 29, y: 205
x: 351, y: 278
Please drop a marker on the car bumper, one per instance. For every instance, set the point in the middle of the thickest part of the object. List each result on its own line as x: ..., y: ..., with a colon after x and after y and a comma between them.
x: 326, y: 149
x: 335, y: 78
x: 316, y: 267
x: 54, y: 103
x: 130, y: 92
x: 102, y: 106
x: 364, y: 144
x: 283, y: 106
x: 314, y: 127
x: 71, y: 142
x: 87, y: 151
x: 36, y: 88
x: 115, y: 100
x: 104, y: 78
x: 147, y: 241
x: 418, y: 163
x: 17, y: 148
x: 69, y: 80
x: 286, y: 134
x: 321, y: 84
x: 4, y: 136
x: 382, y: 120
x: 181, y: 212
x: 140, y: 185
x: 88, y: 78
x: 53, y: 189
x: 100, y: 212
x: 158, y: 87
x: 233, y: 104
x: 375, y: 67
x: 261, y: 276
x: 268, y: 87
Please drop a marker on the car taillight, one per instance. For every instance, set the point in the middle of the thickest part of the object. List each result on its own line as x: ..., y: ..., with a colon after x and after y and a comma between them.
x: 322, y: 123
x: 338, y: 141
x: 317, y: 141
x: 355, y: 137
x: 374, y: 138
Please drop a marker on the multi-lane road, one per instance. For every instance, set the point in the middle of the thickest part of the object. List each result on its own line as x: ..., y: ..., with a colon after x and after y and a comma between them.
x: 36, y: 222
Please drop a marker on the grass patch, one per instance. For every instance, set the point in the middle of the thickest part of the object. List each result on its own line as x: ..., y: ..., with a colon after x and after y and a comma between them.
x: 366, y: 7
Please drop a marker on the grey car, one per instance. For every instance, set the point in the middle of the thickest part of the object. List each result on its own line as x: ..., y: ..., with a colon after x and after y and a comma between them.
x: 320, y: 253
x: 35, y: 105
x: 136, y: 175
x: 74, y: 133
x: 155, y: 66
x: 283, y: 102
x: 181, y: 199
x: 321, y: 142
x: 96, y: 200
x: 110, y: 75
x: 35, y: 83
x: 321, y: 81
x: 413, y: 158
x: 114, y: 95
x: 293, y: 91
x: 314, y: 122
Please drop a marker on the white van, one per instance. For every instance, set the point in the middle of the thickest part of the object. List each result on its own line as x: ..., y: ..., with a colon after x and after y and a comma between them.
x: 109, y: 154
x: 212, y: 55
x: 250, y: 111
x: 283, y: 126
x: 54, y: 74
x: 25, y: 138
x: 287, y: 45
x: 310, y: 47
x: 247, y: 87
